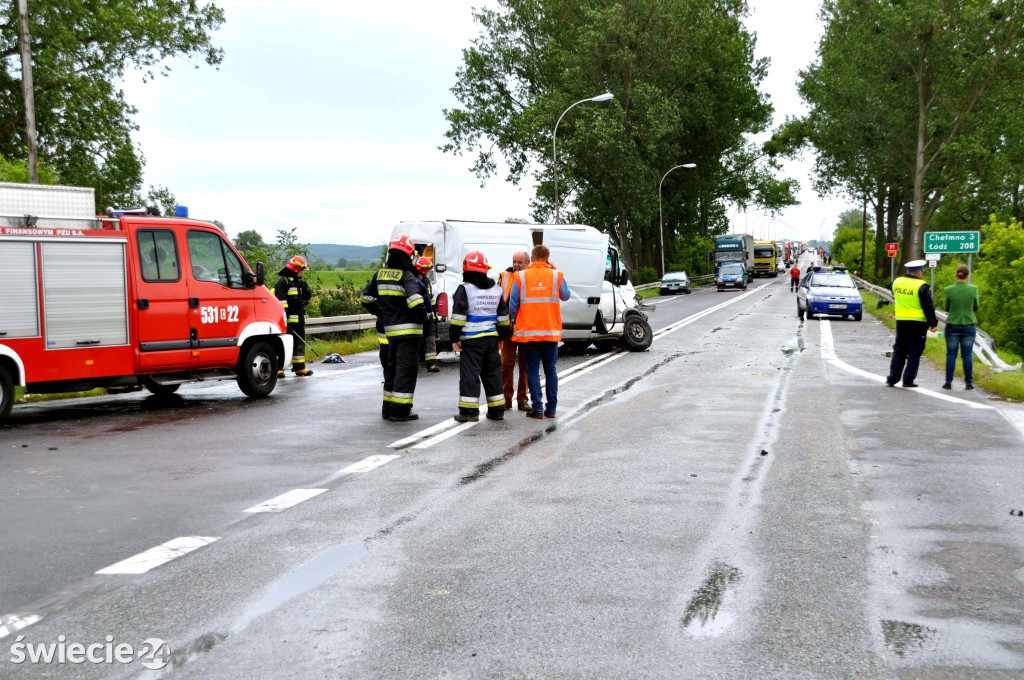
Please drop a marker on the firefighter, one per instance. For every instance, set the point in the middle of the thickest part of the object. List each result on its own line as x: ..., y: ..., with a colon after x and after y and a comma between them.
x: 479, y: 319
x: 422, y: 267
x: 393, y: 296
x: 294, y: 294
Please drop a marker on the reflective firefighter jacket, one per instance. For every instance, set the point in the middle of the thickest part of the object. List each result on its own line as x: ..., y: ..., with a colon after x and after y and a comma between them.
x: 478, y: 313
x: 394, y: 296
x: 294, y: 294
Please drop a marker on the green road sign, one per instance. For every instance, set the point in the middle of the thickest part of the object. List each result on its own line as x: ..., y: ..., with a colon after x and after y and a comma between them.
x: 952, y: 241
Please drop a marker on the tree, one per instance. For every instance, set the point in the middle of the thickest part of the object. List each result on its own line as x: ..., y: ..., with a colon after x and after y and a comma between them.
x: 1000, y: 270
x: 915, y: 106
x: 163, y: 199
x: 674, y: 67
x: 81, y: 50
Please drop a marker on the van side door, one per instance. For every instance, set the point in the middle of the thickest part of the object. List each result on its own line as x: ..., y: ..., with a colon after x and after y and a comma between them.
x: 161, y: 306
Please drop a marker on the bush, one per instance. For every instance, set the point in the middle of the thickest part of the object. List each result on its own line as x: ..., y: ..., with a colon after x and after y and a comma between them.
x: 998, y: 275
x: 340, y: 301
x: 644, y: 275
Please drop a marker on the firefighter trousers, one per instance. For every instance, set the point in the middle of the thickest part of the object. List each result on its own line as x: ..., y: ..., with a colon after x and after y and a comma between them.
x: 298, y: 333
x: 430, y: 341
x: 480, y: 361
x: 400, y: 377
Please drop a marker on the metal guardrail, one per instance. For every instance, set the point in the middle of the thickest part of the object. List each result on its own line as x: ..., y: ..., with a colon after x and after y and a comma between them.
x: 984, y: 345
x: 340, y: 324
x: 693, y: 279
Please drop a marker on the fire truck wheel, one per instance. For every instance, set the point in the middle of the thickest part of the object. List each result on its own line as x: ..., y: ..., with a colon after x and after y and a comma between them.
x: 6, y: 393
x: 257, y: 370
x: 160, y: 389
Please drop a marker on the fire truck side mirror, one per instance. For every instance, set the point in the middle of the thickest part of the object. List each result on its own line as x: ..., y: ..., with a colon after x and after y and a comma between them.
x: 261, y: 274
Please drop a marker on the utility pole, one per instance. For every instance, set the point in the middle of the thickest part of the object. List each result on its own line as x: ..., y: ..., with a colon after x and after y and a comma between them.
x: 28, y: 91
x: 864, y: 238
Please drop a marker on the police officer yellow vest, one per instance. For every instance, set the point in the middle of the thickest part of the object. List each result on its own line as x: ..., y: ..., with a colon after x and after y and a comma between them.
x: 908, y: 305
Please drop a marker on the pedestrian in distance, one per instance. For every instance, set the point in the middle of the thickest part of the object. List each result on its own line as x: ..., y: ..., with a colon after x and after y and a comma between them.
x: 794, y: 278
x: 393, y: 296
x: 294, y: 294
x: 915, y: 316
x: 961, y: 303
x: 479, y: 320
x: 535, y: 307
x: 510, y: 350
x: 422, y: 267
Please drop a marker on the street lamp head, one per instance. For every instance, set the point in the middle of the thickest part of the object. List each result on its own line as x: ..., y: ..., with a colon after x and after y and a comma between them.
x: 688, y: 165
x: 603, y: 97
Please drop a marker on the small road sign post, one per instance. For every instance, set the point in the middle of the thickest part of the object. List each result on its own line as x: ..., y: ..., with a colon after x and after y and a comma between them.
x: 893, y: 250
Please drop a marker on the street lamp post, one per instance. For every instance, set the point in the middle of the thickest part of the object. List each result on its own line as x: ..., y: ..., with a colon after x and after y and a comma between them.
x: 554, y: 148
x: 661, y: 221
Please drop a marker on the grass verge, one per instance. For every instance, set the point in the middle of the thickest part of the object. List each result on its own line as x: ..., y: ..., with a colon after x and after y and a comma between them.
x: 337, y: 344
x: 1007, y: 384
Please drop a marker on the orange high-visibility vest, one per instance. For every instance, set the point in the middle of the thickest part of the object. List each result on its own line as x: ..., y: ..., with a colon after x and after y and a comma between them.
x: 506, y: 280
x: 539, y: 318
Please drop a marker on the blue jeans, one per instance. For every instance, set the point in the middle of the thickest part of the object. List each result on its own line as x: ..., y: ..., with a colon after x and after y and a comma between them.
x: 960, y: 338
x: 546, y: 352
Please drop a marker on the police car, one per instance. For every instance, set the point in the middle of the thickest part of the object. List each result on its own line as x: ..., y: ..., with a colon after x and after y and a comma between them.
x: 829, y: 292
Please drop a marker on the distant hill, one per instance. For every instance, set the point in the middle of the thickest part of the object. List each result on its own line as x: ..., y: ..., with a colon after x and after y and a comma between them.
x: 332, y: 252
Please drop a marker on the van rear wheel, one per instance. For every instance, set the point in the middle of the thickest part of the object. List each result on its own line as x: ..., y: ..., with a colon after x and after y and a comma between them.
x: 637, y: 334
x: 6, y: 393
x: 257, y: 370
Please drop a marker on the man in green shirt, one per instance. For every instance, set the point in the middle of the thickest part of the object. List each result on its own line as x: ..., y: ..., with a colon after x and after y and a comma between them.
x: 961, y: 327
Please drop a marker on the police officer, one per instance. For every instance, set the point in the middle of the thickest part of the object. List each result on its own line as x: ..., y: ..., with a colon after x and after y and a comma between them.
x: 294, y: 294
x: 393, y: 295
x: 479, y: 318
x: 915, y: 315
x: 422, y: 267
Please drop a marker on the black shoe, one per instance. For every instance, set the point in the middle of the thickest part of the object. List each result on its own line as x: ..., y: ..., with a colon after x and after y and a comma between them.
x: 536, y: 415
x: 947, y: 386
x: 303, y: 372
x: 549, y: 414
x: 890, y: 384
x: 432, y: 367
x: 495, y: 415
x: 402, y: 419
x: 909, y: 384
x: 467, y: 417
x: 969, y: 386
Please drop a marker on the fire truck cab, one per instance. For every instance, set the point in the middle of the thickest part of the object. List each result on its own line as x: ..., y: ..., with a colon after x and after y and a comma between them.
x: 127, y: 300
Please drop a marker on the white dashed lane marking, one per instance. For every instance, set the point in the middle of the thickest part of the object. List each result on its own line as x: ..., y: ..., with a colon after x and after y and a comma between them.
x: 286, y: 500
x: 161, y: 554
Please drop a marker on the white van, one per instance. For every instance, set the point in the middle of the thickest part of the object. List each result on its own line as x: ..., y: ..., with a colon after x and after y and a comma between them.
x: 601, y: 309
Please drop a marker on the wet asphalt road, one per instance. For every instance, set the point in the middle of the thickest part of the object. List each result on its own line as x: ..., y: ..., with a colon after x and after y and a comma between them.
x: 743, y: 500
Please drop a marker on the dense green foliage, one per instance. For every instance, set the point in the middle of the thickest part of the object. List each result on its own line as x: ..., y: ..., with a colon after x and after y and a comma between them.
x: 685, y: 82
x: 81, y: 50
x: 915, y: 106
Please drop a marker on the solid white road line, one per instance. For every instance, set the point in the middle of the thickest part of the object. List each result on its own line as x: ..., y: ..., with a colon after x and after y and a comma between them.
x: 12, y: 624
x: 286, y: 500
x: 154, y: 557
x: 828, y: 352
x: 367, y: 464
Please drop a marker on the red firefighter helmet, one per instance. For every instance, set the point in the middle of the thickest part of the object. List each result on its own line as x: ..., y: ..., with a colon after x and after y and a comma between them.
x: 423, y: 264
x: 403, y: 243
x: 475, y: 262
x: 297, y: 264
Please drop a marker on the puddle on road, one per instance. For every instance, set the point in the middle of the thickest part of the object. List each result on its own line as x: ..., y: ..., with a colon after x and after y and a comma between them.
x: 295, y: 583
x: 903, y: 638
x: 705, y: 616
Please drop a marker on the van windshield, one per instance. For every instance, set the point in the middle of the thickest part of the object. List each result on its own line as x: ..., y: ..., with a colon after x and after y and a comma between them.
x: 731, y: 269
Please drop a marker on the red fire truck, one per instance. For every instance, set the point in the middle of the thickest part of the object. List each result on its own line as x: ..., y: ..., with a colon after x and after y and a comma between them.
x: 126, y: 300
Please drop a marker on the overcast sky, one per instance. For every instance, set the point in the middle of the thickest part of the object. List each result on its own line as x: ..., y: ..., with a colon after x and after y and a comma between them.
x: 326, y: 116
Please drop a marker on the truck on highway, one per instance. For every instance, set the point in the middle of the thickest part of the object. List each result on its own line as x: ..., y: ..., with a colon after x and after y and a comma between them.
x: 127, y: 300
x: 766, y: 260
x: 602, y: 308
x: 735, y: 248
